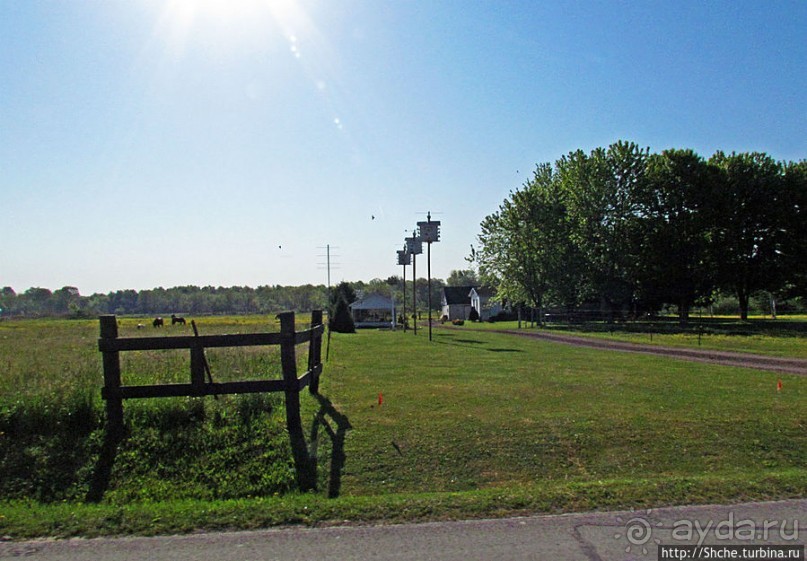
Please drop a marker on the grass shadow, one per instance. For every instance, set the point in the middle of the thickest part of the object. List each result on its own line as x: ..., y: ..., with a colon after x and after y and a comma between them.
x: 324, y: 418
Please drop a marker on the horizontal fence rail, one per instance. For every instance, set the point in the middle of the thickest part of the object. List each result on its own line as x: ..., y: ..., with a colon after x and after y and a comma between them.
x: 201, y: 383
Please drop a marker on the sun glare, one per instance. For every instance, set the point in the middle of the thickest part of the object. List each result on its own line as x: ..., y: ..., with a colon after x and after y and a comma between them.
x: 227, y: 23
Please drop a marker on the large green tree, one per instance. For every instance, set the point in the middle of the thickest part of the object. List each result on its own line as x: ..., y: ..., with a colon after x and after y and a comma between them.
x: 676, y: 254
x: 795, y: 245
x: 511, y: 249
x: 750, y: 212
x: 526, y: 250
x: 600, y: 191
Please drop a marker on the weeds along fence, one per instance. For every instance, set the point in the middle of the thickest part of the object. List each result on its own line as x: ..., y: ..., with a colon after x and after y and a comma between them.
x: 201, y: 382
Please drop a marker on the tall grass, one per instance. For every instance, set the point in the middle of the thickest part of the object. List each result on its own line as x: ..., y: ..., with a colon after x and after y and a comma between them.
x: 52, y: 418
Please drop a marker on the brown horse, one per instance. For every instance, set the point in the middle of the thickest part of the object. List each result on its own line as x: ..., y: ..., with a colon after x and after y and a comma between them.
x: 175, y: 319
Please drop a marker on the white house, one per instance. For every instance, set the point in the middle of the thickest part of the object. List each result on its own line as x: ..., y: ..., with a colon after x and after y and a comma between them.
x: 373, y: 310
x: 456, y: 302
x: 480, y: 301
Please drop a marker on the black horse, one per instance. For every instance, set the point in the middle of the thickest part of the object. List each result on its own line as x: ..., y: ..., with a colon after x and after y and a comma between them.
x: 175, y: 319
x: 158, y: 322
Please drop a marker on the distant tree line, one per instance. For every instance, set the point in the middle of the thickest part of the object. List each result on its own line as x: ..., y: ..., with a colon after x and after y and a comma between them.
x: 194, y: 300
x: 182, y: 299
x: 626, y: 231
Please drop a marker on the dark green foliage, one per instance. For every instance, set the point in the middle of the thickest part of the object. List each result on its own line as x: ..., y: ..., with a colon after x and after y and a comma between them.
x: 625, y: 232
x: 234, y: 447
x: 196, y: 301
x: 191, y: 300
x: 794, y: 247
x: 466, y: 277
x: 343, y: 292
x: 751, y: 224
x: 46, y: 448
x: 341, y: 298
x: 676, y: 256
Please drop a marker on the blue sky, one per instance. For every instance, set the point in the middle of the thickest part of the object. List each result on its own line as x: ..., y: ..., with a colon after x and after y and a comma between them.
x: 226, y: 142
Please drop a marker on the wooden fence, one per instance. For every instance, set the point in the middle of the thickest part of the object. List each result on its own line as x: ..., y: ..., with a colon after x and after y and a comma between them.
x: 201, y: 383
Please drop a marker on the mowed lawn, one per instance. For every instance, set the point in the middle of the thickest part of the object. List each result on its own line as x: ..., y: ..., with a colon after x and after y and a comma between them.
x: 475, y: 409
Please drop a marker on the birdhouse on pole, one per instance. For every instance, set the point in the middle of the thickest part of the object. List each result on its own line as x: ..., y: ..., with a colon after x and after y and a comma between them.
x: 414, y: 245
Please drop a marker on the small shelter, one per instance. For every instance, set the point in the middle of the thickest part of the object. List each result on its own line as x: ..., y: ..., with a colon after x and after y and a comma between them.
x: 374, y: 310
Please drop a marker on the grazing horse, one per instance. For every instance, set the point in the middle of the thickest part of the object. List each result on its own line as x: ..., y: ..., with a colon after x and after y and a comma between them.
x: 175, y: 319
x: 158, y: 322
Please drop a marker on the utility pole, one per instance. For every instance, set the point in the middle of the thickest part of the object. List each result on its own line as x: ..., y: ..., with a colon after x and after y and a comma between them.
x: 327, y: 266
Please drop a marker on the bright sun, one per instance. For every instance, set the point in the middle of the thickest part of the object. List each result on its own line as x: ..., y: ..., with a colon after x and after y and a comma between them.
x: 227, y: 22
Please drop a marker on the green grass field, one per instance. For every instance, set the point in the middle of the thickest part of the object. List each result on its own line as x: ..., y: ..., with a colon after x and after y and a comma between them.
x: 473, y: 424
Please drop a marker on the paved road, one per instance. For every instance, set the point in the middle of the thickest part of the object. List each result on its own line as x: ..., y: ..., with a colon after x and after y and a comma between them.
x: 587, y: 537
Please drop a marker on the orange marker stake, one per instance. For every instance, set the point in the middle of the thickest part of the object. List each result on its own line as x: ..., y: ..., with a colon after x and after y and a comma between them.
x: 779, y: 386
x: 380, y: 399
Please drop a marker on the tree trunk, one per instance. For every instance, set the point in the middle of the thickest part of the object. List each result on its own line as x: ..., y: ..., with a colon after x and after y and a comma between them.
x: 742, y: 296
x: 683, y: 314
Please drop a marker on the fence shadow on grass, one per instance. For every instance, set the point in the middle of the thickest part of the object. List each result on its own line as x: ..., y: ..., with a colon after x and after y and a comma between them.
x: 103, y: 467
x: 324, y: 418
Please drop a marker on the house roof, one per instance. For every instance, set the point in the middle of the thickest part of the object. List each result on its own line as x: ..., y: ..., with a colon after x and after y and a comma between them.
x: 484, y: 292
x: 372, y: 302
x: 457, y: 295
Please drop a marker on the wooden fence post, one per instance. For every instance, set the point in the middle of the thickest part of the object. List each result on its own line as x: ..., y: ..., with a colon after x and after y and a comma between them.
x: 288, y: 361
x: 112, y: 377
x: 315, y: 351
x: 198, y: 369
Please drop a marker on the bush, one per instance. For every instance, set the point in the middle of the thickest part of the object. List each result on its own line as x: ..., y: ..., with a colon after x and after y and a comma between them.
x: 342, y: 321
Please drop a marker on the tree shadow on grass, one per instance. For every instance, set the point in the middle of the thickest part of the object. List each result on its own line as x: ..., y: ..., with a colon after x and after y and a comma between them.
x: 450, y: 339
x: 325, y: 418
